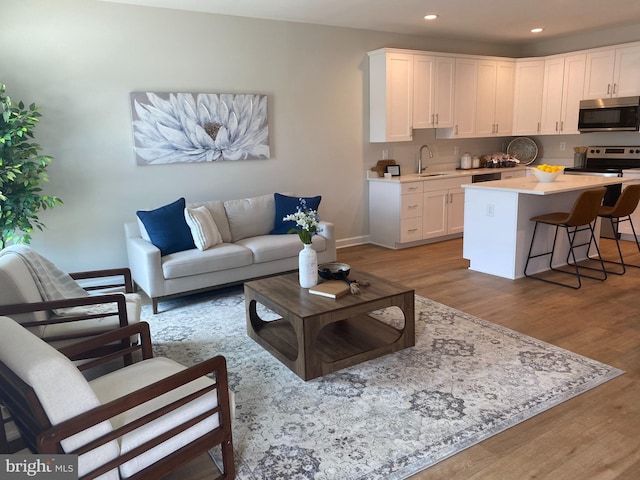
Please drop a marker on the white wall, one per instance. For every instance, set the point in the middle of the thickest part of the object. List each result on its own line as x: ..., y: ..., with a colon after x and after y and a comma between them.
x: 79, y: 60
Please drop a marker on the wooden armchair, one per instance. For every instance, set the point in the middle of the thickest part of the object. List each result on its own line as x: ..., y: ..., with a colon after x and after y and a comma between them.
x: 142, y: 421
x: 85, y: 314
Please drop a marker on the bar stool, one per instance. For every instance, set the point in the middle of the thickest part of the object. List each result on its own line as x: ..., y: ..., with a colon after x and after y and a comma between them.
x: 621, y: 212
x: 581, y: 218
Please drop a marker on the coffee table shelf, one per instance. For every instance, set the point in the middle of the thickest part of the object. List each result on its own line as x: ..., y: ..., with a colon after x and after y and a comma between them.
x: 318, y: 335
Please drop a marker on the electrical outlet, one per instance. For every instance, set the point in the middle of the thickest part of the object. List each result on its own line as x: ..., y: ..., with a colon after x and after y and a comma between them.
x: 490, y: 209
x: 563, y: 146
x: 385, y: 154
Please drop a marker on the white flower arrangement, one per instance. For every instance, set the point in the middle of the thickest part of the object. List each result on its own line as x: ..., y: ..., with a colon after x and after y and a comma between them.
x: 306, y: 220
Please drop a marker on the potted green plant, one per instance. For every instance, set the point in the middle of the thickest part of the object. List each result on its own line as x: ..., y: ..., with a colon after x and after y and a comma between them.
x: 23, y: 170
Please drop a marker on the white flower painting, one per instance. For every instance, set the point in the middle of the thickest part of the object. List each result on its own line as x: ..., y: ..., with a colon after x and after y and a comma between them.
x: 203, y: 127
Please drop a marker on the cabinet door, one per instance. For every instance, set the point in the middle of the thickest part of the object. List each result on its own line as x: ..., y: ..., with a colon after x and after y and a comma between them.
x: 434, y: 218
x: 572, y: 87
x: 390, y: 97
x: 423, y: 108
x: 443, y: 95
x: 527, y: 107
x: 486, y: 98
x: 598, y: 77
x: 505, y: 78
x: 626, y: 79
x: 552, y: 96
x: 455, y: 211
x: 465, y: 97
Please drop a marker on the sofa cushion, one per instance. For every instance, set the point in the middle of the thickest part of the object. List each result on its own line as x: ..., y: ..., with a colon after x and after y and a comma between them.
x: 286, y: 205
x: 194, y: 262
x: 266, y: 248
x: 167, y: 228
x: 204, y: 230
x: 250, y: 217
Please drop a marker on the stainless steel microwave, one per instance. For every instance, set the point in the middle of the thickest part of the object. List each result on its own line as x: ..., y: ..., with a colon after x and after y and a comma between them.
x: 620, y: 114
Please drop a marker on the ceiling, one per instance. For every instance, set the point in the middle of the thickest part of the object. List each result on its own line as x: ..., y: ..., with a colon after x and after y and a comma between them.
x: 493, y: 21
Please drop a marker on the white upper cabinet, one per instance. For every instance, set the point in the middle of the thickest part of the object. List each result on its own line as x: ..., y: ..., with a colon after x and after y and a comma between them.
x: 466, y: 87
x: 390, y: 96
x: 563, y: 84
x: 494, y: 105
x: 527, y: 102
x: 613, y: 72
x: 433, y: 83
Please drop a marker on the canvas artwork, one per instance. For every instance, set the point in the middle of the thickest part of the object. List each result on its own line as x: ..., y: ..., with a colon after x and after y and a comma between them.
x: 200, y: 127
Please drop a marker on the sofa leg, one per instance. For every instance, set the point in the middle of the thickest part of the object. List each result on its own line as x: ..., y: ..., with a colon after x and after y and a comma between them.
x: 154, y: 303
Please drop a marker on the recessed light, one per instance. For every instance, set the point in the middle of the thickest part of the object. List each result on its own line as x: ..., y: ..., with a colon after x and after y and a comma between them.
x: 431, y: 16
x: 536, y: 30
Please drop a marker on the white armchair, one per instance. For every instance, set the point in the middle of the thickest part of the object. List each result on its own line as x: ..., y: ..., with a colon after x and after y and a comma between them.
x: 82, y: 316
x: 143, y: 420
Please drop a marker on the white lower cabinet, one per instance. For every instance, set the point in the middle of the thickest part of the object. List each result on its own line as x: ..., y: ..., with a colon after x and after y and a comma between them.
x: 409, y: 213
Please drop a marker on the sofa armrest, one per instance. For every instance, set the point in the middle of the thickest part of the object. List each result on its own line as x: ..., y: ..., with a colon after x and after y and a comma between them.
x: 327, y: 230
x: 145, y: 263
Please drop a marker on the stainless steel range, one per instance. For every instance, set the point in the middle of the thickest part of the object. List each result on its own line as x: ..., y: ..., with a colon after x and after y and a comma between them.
x: 608, y: 161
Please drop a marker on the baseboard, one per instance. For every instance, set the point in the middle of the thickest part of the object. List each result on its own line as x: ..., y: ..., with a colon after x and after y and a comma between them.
x: 353, y: 241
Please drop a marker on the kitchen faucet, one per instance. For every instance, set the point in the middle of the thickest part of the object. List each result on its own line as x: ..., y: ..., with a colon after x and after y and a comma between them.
x: 420, y: 167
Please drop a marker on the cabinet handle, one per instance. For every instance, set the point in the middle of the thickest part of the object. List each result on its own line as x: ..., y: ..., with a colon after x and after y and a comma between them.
x: 538, y: 126
x: 437, y: 118
x: 556, y: 126
x: 413, y: 230
x: 615, y: 88
x: 433, y: 118
x: 412, y: 206
x: 608, y: 89
x: 456, y: 130
x: 413, y: 188
x: 561, y: 125
x: 496, y: 128
x: 451, y: 198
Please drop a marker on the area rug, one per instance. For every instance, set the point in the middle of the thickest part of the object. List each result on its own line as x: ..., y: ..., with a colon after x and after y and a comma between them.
x: 465, y: 380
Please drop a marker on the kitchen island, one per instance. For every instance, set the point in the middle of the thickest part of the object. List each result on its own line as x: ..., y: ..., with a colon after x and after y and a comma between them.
x: 497, y: 225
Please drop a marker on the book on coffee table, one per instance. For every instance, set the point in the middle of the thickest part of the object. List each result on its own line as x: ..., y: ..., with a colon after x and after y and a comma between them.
x: 331, y: 289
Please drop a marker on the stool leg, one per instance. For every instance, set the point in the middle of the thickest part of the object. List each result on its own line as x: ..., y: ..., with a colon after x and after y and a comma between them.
x: 614, y: 224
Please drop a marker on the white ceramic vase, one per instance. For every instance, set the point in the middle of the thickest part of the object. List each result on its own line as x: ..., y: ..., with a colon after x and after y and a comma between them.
x: 308, y: 266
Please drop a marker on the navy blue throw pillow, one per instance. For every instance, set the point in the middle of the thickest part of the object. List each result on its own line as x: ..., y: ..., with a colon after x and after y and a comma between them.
x: 167, y: 227
x: 286, y: 205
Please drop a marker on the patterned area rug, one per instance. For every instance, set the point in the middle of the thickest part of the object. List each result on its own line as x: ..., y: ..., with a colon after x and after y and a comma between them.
x: 465, y: 380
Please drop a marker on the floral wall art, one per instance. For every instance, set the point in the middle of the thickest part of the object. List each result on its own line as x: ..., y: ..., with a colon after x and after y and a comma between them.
x: 201, y: 127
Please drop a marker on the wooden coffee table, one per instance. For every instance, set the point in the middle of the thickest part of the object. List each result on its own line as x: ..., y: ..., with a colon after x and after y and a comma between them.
x: 317, y: 335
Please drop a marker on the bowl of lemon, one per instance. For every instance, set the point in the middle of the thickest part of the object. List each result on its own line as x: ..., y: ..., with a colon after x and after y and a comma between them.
x: 547, y: 173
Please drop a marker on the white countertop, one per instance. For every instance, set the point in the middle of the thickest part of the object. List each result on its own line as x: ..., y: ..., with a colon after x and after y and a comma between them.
x: 436, y: 175
x: 564, y: 183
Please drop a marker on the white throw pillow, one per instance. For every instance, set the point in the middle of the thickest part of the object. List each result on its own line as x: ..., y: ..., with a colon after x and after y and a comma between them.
x: 203, y: 229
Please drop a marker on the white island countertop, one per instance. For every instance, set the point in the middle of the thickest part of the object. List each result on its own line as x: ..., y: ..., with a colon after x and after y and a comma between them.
x: 531, y: 185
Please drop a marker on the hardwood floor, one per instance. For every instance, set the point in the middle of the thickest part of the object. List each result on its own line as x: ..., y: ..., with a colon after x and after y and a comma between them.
x: 595, y: 435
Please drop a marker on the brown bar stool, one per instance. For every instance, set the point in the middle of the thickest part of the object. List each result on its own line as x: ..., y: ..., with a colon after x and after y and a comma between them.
x: 621, y: 212
x: 581, y: 218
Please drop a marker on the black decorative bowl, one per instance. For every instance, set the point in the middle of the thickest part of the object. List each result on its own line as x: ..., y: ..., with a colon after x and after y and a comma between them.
x: 334, y: 271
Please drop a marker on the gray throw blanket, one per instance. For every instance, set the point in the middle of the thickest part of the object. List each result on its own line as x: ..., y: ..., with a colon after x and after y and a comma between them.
x: 52, y: 283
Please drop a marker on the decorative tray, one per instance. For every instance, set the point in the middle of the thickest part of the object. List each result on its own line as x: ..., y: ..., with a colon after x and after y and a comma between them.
x: 524, y: 149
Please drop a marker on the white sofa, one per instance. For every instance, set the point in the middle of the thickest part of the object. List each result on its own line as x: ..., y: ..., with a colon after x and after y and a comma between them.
x: 247, y: 251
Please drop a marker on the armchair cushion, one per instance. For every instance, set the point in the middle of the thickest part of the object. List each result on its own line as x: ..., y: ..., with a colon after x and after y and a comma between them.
x: 121, y: 382
x: 167, y: 227
x: 61, y: 389
x: 286, y: 205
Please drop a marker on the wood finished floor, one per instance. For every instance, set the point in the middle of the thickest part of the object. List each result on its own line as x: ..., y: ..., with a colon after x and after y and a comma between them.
x: 593, y: 436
